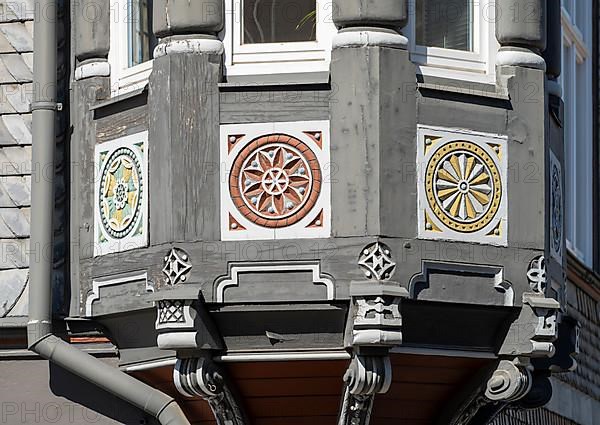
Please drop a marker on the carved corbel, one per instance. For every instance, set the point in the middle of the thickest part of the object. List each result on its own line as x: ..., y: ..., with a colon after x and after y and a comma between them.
x: 535, y: 330
x: 375, y: 326
x: 182, y: 320
x: 376, y: 318
x: 365, y: 377
x: 200, y: 377
x: 510, y: 383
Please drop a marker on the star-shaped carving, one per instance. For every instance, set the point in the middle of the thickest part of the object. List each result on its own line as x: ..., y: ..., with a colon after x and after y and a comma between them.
x: 176, y: 266
x: 376, y: 262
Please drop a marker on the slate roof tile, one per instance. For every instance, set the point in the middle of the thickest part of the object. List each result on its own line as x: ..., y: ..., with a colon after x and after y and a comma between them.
x: 28, y: 59
x: 6, y: 76
x: 12, y: 284
x: 17, y: 68
x: 15, y: 160
x: 16, y: 220
x: 18, y: 128
x: 18, y: 96
x: 15, y: 191
x: 21, y: 10
x: 19, y: 35
x: 7, y: 12
x: 14, y: 254
x: 16, y: 75
x: 5, y: 46
x: 6, y: 137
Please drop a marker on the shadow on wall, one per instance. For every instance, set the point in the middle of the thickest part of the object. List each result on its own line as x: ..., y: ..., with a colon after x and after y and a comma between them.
x: 90, y: 404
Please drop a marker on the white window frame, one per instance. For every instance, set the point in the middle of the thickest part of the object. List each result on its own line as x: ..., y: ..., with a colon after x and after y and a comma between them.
x: 580, y: 136
x: 478, y: 65
x: 274, y: 59
x: 124, y: 78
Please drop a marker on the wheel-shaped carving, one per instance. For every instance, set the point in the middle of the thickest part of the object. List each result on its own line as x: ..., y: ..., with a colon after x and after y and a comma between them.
x: 275, y: 181
x: 121, y: 187
x: 463, y: 186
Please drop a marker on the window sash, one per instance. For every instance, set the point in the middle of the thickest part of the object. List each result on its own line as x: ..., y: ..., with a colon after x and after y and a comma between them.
x: 576, y: 80
x: 124, y: 78
x: 476, y: 65
x: 277, y: 58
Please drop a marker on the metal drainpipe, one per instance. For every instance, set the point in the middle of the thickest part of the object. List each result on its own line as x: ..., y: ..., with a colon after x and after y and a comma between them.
x: 39, y: 328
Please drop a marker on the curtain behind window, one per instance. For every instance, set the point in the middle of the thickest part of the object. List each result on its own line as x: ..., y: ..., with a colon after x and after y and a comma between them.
x: 445, y: 23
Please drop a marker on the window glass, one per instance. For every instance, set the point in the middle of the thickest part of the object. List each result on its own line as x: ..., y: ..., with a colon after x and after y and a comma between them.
x: 278, y: 21
x: 445, y: 23
x: 141, y: 38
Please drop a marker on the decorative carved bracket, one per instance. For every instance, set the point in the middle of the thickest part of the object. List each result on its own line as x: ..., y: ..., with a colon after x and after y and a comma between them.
x: 511, y: 383
x: 182, y: 321
x: 200, y: 377
x: 365, y: 377
x: 377, y: 319
x: 535, y: 330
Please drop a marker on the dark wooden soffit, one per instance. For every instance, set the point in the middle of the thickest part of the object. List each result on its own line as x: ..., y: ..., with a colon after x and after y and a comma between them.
x: 310, y: 392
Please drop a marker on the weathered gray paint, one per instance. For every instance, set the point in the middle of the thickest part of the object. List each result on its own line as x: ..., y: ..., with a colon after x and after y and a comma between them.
x: 191, y: 17
x: 92, y: 28
x: 338, y: 258
x: 184, y: 148
x: 373, y: 142
x: 241, y: 104
x: 122, y: 119
x: 527, y: 157
x: 376, y: 13
x: 520, y: 23
x: 81, y: 223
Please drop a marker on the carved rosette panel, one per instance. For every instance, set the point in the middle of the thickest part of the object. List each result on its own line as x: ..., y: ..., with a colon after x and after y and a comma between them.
x: 121, y: 195
x: 556, y: 209
x: 462, y: 186
x: 275, y: 182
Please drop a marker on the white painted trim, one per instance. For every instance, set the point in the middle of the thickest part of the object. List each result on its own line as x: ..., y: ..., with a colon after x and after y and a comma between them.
x: 191, y: 45
x: 476, y: 66
x: 251, y: 357
x: 578, y: 133
x: 443, y: 353
x: 124, y: 79
x: 112, y: 281
x: 280, y: 58
x: 233, y: 279
x: 149, y: 365
x: 363, y: 38
x: 92, y: 69
x: 522, y: 58
x: 176, y: 340
x: 283, y: 356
